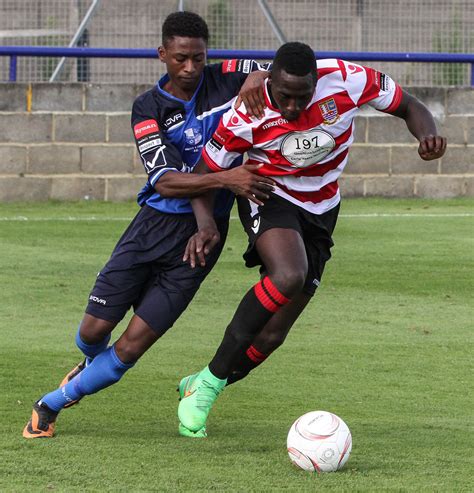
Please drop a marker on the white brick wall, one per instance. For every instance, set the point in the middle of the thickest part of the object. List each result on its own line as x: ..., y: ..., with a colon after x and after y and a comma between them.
x: 76, y: 143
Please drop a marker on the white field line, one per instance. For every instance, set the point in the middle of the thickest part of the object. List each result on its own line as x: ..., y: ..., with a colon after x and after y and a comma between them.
x: 104, y: 218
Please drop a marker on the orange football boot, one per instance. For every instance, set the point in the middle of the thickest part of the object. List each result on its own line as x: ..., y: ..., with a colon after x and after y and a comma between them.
x: 42, y: 422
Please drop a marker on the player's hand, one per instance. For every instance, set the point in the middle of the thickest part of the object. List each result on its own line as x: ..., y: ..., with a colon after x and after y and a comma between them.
x: 251, y: 94
x: 432, y: 147
x: 245, y: 181
x: 200, y: 244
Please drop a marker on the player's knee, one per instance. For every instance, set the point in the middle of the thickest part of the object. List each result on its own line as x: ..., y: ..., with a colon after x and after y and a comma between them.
x: 128, y: 351
x: 289, y: 281
x: 94, y: 330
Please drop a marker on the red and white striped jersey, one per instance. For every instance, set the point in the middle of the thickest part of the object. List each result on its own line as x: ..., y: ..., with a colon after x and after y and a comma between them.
x: 305, y: 156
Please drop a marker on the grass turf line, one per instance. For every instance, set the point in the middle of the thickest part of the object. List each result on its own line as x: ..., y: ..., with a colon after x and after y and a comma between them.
x: 386, y: 344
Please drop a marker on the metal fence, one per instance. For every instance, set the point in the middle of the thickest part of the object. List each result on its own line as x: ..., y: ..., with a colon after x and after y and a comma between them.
x: 326, y: 25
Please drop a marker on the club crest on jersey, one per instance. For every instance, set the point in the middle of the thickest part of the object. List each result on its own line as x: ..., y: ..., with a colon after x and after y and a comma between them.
x: 193, y: 136
x: 329, y: 111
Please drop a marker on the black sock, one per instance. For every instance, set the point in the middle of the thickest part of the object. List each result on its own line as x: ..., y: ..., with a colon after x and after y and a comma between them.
x: 246, y: 363
x: 254, y: 311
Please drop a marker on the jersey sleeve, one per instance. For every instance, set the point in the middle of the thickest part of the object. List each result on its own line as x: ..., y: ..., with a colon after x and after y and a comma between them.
x: 234, y: 72
x: 232, y: 138
x: 369, y: 86
x: 157, y: 153
x: 242, y: 66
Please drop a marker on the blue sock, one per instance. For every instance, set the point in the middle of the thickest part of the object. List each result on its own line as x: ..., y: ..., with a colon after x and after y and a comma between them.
x: 105, y: 370
x: 91, y: 350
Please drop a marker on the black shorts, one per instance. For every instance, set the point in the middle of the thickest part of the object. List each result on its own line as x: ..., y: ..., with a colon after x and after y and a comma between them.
x: 146, y: 270
x: 316, y: 231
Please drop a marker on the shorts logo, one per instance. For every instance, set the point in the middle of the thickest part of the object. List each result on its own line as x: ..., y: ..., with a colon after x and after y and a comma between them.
x: 246, y: 67
x: 95, y: 299
x: 329, y: 111
x: 256, y: 225
x: 144, y: 128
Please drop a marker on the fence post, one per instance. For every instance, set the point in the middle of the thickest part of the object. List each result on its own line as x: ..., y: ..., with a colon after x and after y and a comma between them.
x: 12, y: 73
x: 472, y: 74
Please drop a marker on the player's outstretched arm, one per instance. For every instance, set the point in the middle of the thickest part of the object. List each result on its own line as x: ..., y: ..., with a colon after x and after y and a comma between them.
x: 421, y: 124
x: 242, y: 180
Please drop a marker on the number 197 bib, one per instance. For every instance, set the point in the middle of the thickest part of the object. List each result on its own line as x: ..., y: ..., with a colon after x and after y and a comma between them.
x: 305, y: 148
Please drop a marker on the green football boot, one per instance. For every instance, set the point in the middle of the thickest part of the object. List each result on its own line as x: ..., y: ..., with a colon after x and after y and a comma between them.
x: 182, y: 389
x: 184, y: 432
x: 199, y: 393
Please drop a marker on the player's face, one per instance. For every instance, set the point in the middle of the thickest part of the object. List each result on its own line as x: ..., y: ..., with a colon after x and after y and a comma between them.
x: 292, y: 93
x: 185, y: 59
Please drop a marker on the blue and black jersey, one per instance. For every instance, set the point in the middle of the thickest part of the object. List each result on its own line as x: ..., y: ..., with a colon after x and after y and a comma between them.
x: 170, y: 132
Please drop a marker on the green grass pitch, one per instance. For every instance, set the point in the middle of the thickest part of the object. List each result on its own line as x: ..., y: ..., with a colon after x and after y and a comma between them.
x: 386, y: 345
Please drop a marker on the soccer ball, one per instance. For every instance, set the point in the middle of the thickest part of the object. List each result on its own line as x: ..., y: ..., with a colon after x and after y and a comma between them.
x: 319, y: 442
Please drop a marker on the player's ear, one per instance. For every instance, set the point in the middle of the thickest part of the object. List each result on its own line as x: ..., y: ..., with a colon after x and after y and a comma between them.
x: 161, y: 53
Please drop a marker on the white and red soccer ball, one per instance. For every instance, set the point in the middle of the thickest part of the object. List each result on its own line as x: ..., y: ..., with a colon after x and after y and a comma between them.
x: 319, y: 441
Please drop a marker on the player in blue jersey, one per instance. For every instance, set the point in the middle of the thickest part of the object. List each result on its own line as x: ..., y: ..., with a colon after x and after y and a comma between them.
x: 171, y: 123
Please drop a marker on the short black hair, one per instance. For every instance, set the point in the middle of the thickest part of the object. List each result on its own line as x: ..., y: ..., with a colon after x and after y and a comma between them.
x: 296, y: 59
x: 185, y: 24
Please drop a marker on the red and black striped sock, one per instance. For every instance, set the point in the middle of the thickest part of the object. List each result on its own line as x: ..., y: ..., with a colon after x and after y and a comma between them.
x: 246, y: 363
x: 254, y: 311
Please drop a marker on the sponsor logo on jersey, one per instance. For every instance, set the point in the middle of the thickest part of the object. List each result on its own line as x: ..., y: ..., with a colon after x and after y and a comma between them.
x: 149, y: 145
x: 354, y: 69
x: 274, y: 123
x: 214, y: 146
x: 229, y: 66
x: 193, y: 136
x: 329, y: 111
x: 174, y: 120
x: 95, y: 299
x: 308, y: 147
x: 384, y: 82
x: 246, y: 67
x: 218, y: 136
x: 144, y: 128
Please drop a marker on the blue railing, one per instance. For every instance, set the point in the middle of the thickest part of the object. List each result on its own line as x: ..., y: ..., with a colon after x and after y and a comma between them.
x: 48, y: 51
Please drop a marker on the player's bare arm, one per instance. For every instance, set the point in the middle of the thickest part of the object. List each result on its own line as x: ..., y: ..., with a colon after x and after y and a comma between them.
x: 251, y: 93
x: 242, y: 180
x: 421, y: 124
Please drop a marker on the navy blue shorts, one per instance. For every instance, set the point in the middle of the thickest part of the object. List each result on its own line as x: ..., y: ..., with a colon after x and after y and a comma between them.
x: 316, y: 231
x: 146, y: 270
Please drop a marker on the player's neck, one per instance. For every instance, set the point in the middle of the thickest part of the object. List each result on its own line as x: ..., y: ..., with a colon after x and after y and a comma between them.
x: 172, y: 88
x: 272, y: 99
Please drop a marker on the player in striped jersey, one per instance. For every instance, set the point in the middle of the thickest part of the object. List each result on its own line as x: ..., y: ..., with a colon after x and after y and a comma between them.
x: 302, y: 143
